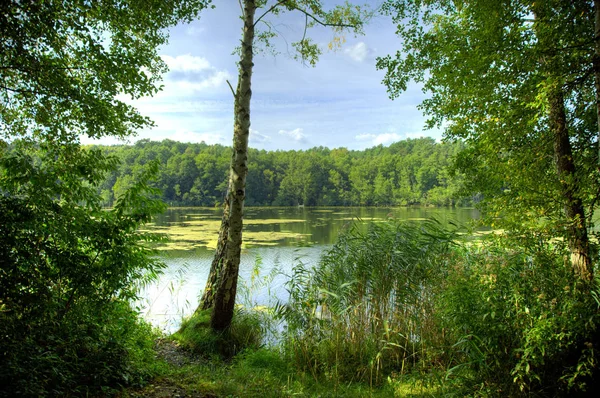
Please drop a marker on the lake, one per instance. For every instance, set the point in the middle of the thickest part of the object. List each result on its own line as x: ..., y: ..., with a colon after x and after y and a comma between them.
x: 274, y: 238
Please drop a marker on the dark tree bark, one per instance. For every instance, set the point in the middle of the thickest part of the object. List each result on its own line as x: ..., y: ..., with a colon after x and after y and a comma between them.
x: 570, y: 189
x: 596, y: 65
x: 577, y: 235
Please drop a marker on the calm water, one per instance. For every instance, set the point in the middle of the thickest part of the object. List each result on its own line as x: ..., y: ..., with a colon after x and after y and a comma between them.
x: 277, y: 238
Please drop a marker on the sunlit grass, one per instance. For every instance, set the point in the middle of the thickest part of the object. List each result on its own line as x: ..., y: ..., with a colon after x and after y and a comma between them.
x: 265, y: 373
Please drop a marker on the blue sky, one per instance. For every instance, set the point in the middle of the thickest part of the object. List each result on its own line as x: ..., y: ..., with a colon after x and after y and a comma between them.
x: 339, y: 103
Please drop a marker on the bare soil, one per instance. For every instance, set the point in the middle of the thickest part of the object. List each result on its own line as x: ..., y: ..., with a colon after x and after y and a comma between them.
x: 164, y: 388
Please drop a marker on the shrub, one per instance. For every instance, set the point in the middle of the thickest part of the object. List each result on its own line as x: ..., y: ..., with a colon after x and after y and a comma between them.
x: 68, y: 270
x: 521, y: 323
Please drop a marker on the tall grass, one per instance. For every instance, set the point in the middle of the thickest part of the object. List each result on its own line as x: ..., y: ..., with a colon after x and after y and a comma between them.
x: 503, y: 316
x: 368, y: 309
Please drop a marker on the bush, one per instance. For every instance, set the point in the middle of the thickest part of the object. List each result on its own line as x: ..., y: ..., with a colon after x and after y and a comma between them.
x: 86, y: 352
x: 68, y: 270
x: 521, y: 324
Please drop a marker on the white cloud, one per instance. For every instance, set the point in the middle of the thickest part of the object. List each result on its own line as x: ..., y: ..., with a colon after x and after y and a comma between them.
x: 386, y: 138
x: 365, y: 137
x: 186, y: 63
x: 257, y: 138
x: 184, y: 135
x: 358, y: 52
x: 296, y: 134
x: 194, y: 30
x: 191, y: 73
x: 212, y: 81
x: 379, y: 139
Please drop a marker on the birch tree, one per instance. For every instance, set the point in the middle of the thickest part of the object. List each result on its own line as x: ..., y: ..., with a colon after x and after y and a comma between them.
x: 220, y: 291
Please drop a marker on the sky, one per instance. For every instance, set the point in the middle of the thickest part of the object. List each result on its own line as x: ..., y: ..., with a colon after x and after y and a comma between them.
x: 339, y: 103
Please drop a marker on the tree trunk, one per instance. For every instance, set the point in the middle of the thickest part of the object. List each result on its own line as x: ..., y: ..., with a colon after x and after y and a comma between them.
x: 224, y: 298
x: 577, y: 236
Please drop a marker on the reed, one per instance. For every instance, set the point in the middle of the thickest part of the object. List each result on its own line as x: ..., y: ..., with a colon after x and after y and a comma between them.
x: 367, y: 310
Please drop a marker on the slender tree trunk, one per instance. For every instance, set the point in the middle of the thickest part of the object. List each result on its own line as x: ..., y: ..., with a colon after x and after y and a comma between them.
x: 565, y: 167
x: 577, y: 236
x: 227, y: 282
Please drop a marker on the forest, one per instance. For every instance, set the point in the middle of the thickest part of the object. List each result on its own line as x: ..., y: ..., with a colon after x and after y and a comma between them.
x: 393, y: 308
x: 411, y: 172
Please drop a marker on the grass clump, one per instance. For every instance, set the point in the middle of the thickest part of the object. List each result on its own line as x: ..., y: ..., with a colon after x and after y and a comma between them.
x: 265, y: 372
x: 367, y: 310
x: 407, y: 301
x: 245, y: 332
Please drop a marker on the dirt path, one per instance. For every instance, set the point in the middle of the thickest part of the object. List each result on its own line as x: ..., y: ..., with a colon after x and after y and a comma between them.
x: 165, y: 388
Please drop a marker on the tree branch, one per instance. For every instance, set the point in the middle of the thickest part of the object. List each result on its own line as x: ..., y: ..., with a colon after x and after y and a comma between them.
x: 231, y: 88
x: 241, y: 7
x: 308, y: 15
x: 20, y: 91
x: 305, y: 27
x: 317, y: 20
x: 268, y: 11
x: 304, y: 35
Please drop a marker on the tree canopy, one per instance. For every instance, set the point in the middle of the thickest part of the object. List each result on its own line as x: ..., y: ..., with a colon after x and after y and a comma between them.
x: 515, y: 80
x: 64, y: 64
x: 68, y: 269
x: 410, y: 172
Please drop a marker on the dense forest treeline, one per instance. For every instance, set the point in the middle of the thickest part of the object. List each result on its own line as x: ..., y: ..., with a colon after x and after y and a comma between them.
x: 414, y: 171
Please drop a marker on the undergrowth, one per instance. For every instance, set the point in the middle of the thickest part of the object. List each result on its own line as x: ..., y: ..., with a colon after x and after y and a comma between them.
x: 245, y: 332
x: 409, y: 309
x: 502, y: 316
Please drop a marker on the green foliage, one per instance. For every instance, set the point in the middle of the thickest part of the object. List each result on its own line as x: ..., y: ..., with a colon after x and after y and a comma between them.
x: 89, y: 350
x: 262, y: 373
x: 245, y: 332
x: 64, y: 63
x: 68, y: 269
x: 501, y: 316
x: 266, y: 360
x: 405, y: 173
x: 520, y: 325
x: 368, y: 308
x: 68, y: 272
x: 341, y: 19
x: 483, y: 64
